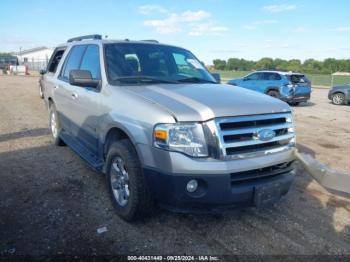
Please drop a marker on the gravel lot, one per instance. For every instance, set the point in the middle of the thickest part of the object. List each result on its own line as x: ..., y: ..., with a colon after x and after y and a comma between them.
x: 53, y: 203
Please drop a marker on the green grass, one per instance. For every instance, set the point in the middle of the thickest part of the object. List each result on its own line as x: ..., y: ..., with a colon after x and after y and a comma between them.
x: 316, y: 80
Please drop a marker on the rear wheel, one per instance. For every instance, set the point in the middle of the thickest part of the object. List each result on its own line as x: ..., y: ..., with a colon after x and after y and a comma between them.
x: 126, y: 182
x: 273, y: 93
x: 338, y: 99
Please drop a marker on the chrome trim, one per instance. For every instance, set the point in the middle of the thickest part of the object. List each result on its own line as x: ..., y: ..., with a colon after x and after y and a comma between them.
x: 219, y: 146
x: 259, y: 142
x: 251, y: 118
x: 255, y: 129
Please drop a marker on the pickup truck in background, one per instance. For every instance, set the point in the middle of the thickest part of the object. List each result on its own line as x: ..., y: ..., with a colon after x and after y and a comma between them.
x: 162, y: 130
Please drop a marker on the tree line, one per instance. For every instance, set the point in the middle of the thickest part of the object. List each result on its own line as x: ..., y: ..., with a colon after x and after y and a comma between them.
x: 311, y: 66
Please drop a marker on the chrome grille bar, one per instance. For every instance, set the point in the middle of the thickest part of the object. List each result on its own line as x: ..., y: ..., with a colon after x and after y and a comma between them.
x: 237, y: 136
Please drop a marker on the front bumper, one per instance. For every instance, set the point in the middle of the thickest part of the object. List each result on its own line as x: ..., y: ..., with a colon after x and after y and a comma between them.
x: 219, y: 192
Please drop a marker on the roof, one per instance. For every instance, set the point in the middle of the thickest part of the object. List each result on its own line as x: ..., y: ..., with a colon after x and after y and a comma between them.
x: 31, y: 50
x: 279, y: 72
x: 113, y: 41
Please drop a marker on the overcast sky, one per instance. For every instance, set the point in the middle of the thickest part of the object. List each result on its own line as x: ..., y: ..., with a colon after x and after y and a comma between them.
x: 209, y: 28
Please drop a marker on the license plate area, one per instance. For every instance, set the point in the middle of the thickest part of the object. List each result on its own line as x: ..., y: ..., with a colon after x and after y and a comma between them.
x: 267, y: 194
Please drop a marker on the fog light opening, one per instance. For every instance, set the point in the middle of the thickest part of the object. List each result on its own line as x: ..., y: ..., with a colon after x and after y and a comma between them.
x: 192, y: 186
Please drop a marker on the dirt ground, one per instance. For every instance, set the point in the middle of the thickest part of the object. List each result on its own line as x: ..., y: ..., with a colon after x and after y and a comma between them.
x: 53, y: 203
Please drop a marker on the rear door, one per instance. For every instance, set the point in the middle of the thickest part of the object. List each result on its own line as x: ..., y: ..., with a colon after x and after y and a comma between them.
x: 270, y: 80
x: 48, y: 80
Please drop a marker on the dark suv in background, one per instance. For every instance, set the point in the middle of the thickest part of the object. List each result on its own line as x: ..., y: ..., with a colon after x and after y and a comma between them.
x: 339, y: 95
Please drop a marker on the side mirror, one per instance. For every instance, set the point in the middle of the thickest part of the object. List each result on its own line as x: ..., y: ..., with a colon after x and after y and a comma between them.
x: 42, y: 72
x: 82, y: 78
x: 217, y: 77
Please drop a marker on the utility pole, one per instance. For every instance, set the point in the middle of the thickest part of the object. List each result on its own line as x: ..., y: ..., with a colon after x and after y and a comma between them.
x: 20, y: 52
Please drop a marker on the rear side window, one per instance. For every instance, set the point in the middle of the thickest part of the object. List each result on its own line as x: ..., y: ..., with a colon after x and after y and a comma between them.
x: 73, y: 60
x: 55, y: 60
x: 91, y: 61
x: 295, y: 79
x: 271, y: 76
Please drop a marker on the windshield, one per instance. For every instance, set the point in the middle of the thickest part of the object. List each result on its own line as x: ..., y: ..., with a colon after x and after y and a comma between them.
x: 140, y: 63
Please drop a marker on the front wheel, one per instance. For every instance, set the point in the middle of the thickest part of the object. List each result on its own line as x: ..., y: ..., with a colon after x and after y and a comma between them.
x: 338, y: 99
x: 126, y: 182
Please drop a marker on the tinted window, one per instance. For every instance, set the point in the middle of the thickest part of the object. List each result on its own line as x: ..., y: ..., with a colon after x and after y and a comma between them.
x: 271, y: 76
x: 73, y: 60
x: 91, y: 61
x: 54, y: 61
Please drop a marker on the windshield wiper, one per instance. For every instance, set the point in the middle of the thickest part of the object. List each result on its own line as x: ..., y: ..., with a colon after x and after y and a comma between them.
x: 143, y: 79
x: 196, y: 80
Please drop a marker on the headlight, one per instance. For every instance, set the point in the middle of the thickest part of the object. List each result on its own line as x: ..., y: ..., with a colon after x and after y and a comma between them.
x: 187, y: 138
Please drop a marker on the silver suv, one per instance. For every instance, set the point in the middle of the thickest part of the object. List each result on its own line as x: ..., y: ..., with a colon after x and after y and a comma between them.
x: 158, y: 125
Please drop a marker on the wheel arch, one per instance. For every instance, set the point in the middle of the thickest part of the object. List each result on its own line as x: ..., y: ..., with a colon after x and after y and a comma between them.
x: 114, y: 133
x: 272, y: 88
x: 339, y: 92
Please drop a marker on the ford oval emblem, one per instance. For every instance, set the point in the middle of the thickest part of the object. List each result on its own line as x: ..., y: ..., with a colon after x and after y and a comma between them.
x: 265, y: 134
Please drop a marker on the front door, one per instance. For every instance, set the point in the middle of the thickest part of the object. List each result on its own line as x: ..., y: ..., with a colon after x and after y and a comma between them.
x: 85, y: 106
x: 63, y: 98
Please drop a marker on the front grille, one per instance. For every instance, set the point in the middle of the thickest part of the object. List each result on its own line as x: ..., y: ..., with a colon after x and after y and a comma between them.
x: 238, y: 136
x: 261, y: 173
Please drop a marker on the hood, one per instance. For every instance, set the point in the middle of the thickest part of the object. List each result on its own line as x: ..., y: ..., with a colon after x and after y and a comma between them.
x: 201, y: 102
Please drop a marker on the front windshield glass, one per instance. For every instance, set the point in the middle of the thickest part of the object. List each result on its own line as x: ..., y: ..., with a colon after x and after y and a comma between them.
x: 141, y: 63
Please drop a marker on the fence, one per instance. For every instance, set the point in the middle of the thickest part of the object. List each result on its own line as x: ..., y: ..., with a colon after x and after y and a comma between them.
x: 328, y: 80
x: 35, y: 64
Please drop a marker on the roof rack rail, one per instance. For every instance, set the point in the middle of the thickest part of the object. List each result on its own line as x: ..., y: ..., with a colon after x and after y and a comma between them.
x: 79, y: 38
x: 150, y: 40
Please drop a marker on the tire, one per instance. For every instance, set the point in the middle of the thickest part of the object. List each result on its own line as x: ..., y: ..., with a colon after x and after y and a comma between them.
x: 126, y: 183
x: 294, y: 103
x: 273, y: 93
x: 338, y: 99
x: 55, y: 126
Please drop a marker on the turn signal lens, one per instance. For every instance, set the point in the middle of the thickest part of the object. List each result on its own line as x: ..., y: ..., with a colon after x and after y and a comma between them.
x: 160, y: 134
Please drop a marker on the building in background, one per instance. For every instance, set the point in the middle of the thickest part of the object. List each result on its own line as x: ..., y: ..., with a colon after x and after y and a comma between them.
x: 35, y: 58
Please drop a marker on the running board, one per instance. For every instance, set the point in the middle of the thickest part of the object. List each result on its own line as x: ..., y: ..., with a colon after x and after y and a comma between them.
x: 85, y: 154
x: 325, y: 175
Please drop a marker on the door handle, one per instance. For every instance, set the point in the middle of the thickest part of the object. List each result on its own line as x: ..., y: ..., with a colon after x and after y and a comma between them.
x: 55, y: 87
x: 74, y: 96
